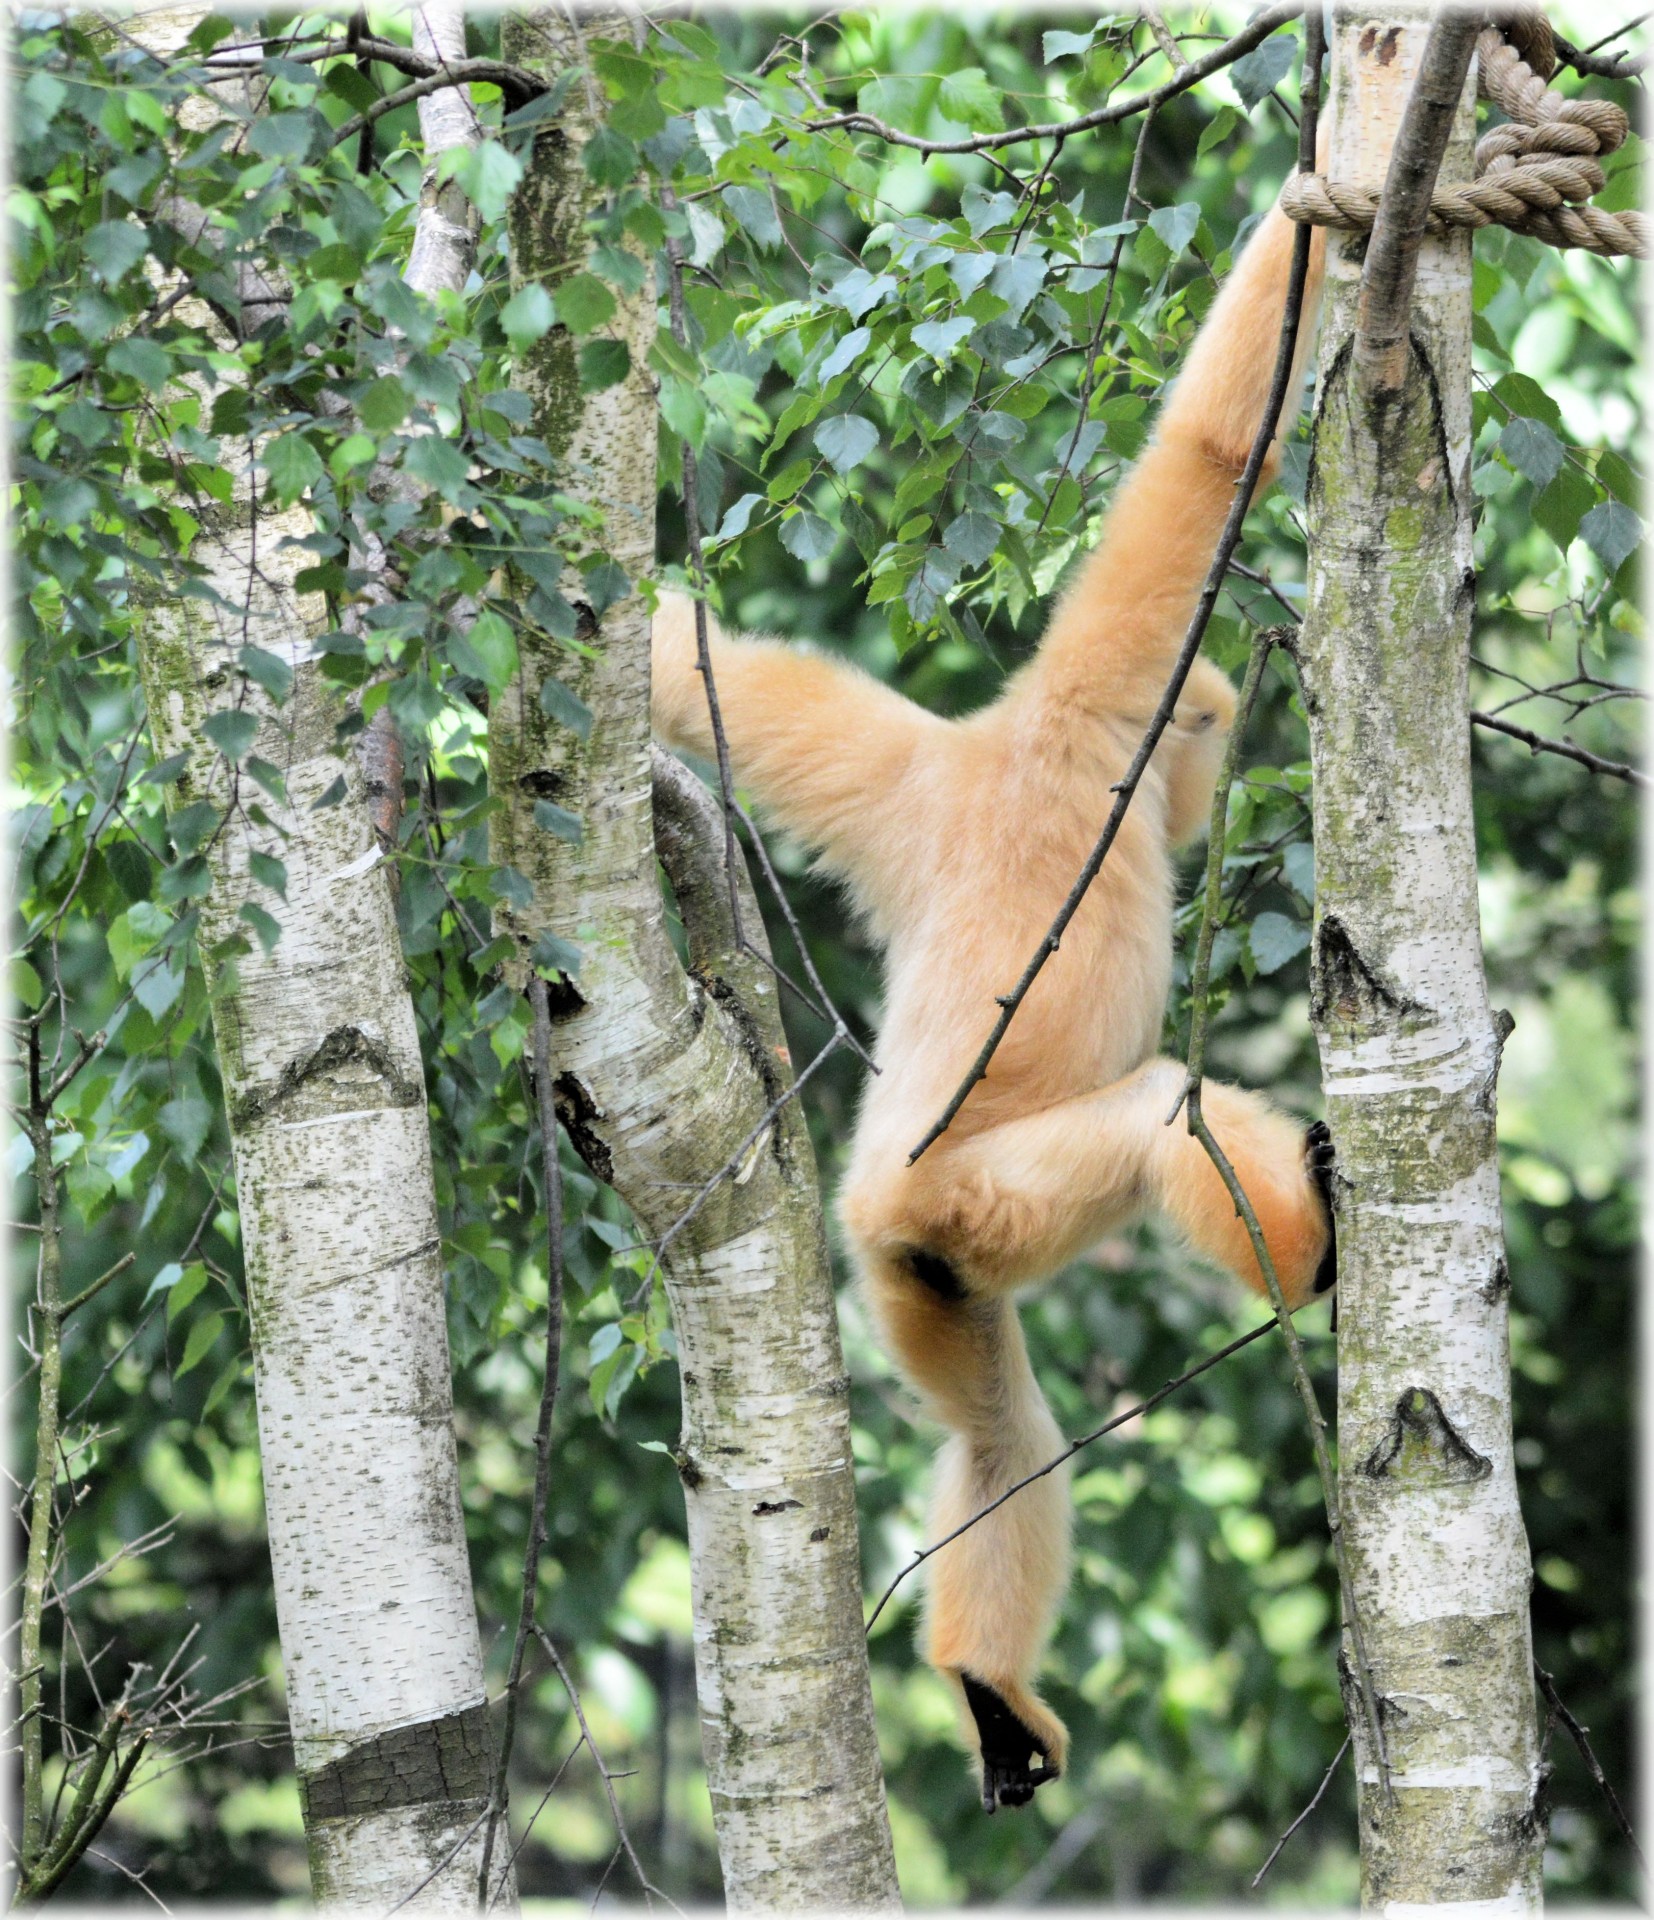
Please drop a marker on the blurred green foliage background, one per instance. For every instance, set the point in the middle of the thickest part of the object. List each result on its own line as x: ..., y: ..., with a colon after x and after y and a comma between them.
x: 1194, y: 1661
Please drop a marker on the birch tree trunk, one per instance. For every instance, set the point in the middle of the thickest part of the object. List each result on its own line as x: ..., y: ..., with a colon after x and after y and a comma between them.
x: 325, y: 1092
x: 662, y: 1077
x: 1410, y: 1057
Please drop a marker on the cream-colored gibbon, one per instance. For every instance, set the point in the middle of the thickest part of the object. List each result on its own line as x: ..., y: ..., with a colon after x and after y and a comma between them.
x: 958, y: 840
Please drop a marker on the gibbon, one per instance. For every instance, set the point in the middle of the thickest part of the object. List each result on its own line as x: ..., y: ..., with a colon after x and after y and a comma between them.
x: 958, y: 840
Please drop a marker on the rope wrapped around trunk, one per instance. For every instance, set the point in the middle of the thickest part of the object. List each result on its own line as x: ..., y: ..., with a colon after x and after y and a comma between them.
x: 1536, y: 174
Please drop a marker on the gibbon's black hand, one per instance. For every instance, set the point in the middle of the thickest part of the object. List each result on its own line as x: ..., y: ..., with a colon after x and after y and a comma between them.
x: 1008, y: 1748
x: 1319, y: 1156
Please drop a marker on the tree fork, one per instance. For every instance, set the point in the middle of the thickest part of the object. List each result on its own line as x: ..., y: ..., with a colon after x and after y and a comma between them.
x: 661, y: 1076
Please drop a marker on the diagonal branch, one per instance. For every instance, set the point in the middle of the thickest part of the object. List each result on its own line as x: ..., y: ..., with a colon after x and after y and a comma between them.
x: 1161, y: 718
x: 1381, y: 324
x: 1187, y: 76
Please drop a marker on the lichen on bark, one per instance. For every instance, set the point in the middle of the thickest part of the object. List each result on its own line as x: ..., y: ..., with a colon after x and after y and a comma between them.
x: 1409, y: 1050
x: 662, y: 1076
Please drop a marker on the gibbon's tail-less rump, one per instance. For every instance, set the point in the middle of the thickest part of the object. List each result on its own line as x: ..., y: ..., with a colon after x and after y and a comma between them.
x: 959, y: 840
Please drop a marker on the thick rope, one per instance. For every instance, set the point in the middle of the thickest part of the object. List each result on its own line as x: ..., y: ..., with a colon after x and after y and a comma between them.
x: 1536, y: 174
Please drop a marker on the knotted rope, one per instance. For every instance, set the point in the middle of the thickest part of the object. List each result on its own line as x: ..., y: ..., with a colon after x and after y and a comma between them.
x: 1535, y: 174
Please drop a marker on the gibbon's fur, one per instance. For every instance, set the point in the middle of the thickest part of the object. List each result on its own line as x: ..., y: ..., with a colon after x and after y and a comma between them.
x: 959, y: 840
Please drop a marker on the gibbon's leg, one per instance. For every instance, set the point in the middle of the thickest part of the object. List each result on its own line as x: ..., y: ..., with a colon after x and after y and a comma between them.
x: 943, y: 1248
x: 1014, y: 1203
x: 992, y: 1594
x: 1192, y: 749
x: 827, y: 749
x: 1113, y: 638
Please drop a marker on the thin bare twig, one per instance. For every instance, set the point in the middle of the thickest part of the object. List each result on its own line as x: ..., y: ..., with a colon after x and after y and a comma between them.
x: 1257, y: 30
x: 1547, y: 1686
x: 1127, y: 787
x: 1543, y: 743
x: 646, y: 1886
x: 1068, y: 1453
x: 552, y: 1182
x: 1320, y: 1791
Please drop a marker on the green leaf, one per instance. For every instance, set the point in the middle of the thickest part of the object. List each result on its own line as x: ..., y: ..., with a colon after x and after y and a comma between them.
x: 202, y: 1337
x: 267, y: 670
x: 527, y: 316
x: 221, y: 1386
x: 1176, y: 225
x: 1061, y: 45
x: 115, y: 248
x: 807, y: 536
x: 941, y: 338
x: 487, y: 174
x: 559, y: 821
x: 973, y: 537
x: 283, y: 136
x: 756, y: 213
x: 293, y: 464
x: 384, y: 406
x: 232, y: 731
x: 603, y: 364
x: 495, y: 646
x: 567, y: 708
x: 1258, y: 73
x: 609, y: 158
x: 844, y: 355
x: 1526, y: 396
x: 735, y: 521
x: 181, y: 1285
x: 269, y: 872
x: 1612, y: 532
x: 1217, y: 129
x: 1531, y: 447
x: 552, y: 955
x: 263, y: 923
x: 584, y: 303
x: 186, y: 1122
x: 969, y: 97
x: 846, y: 440
x: 148, y: 364
x: 1561, y: 506
x: 1275, y: 940
x: 683, y: 408
x: 440, y: 464
x: 25, y: 984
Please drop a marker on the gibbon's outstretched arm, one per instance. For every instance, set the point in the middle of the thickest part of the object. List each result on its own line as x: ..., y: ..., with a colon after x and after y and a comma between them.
x: 961, y: 838
x: 833, y: 754
x: 1115, y: 634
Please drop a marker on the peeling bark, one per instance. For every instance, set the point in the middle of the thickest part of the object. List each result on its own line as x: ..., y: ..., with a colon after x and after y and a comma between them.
x: 1410, y: 1052
x: 664, y: 1075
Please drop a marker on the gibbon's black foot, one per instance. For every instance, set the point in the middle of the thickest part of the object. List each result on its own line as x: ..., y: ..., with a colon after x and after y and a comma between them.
x: 1009, y: 1776
x: 1318, y: 1158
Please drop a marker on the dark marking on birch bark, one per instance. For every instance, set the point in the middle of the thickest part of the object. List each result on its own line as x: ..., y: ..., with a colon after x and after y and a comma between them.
x: 1344, y: 988
x: 563, y: 998
x: 1494, y: 1288
x: 1422, y: 1447
x: 578, y: 1110
x: 777, y: 1506
x: 545, y: 783
x: 439, y: 1760
x: 344, y: 1047
x: 818, y: 1534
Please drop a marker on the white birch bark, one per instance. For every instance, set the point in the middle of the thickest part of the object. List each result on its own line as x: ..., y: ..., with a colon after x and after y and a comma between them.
x: 1410, y: 1057
x: 326, y: 1096
x: 662, y: 1078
